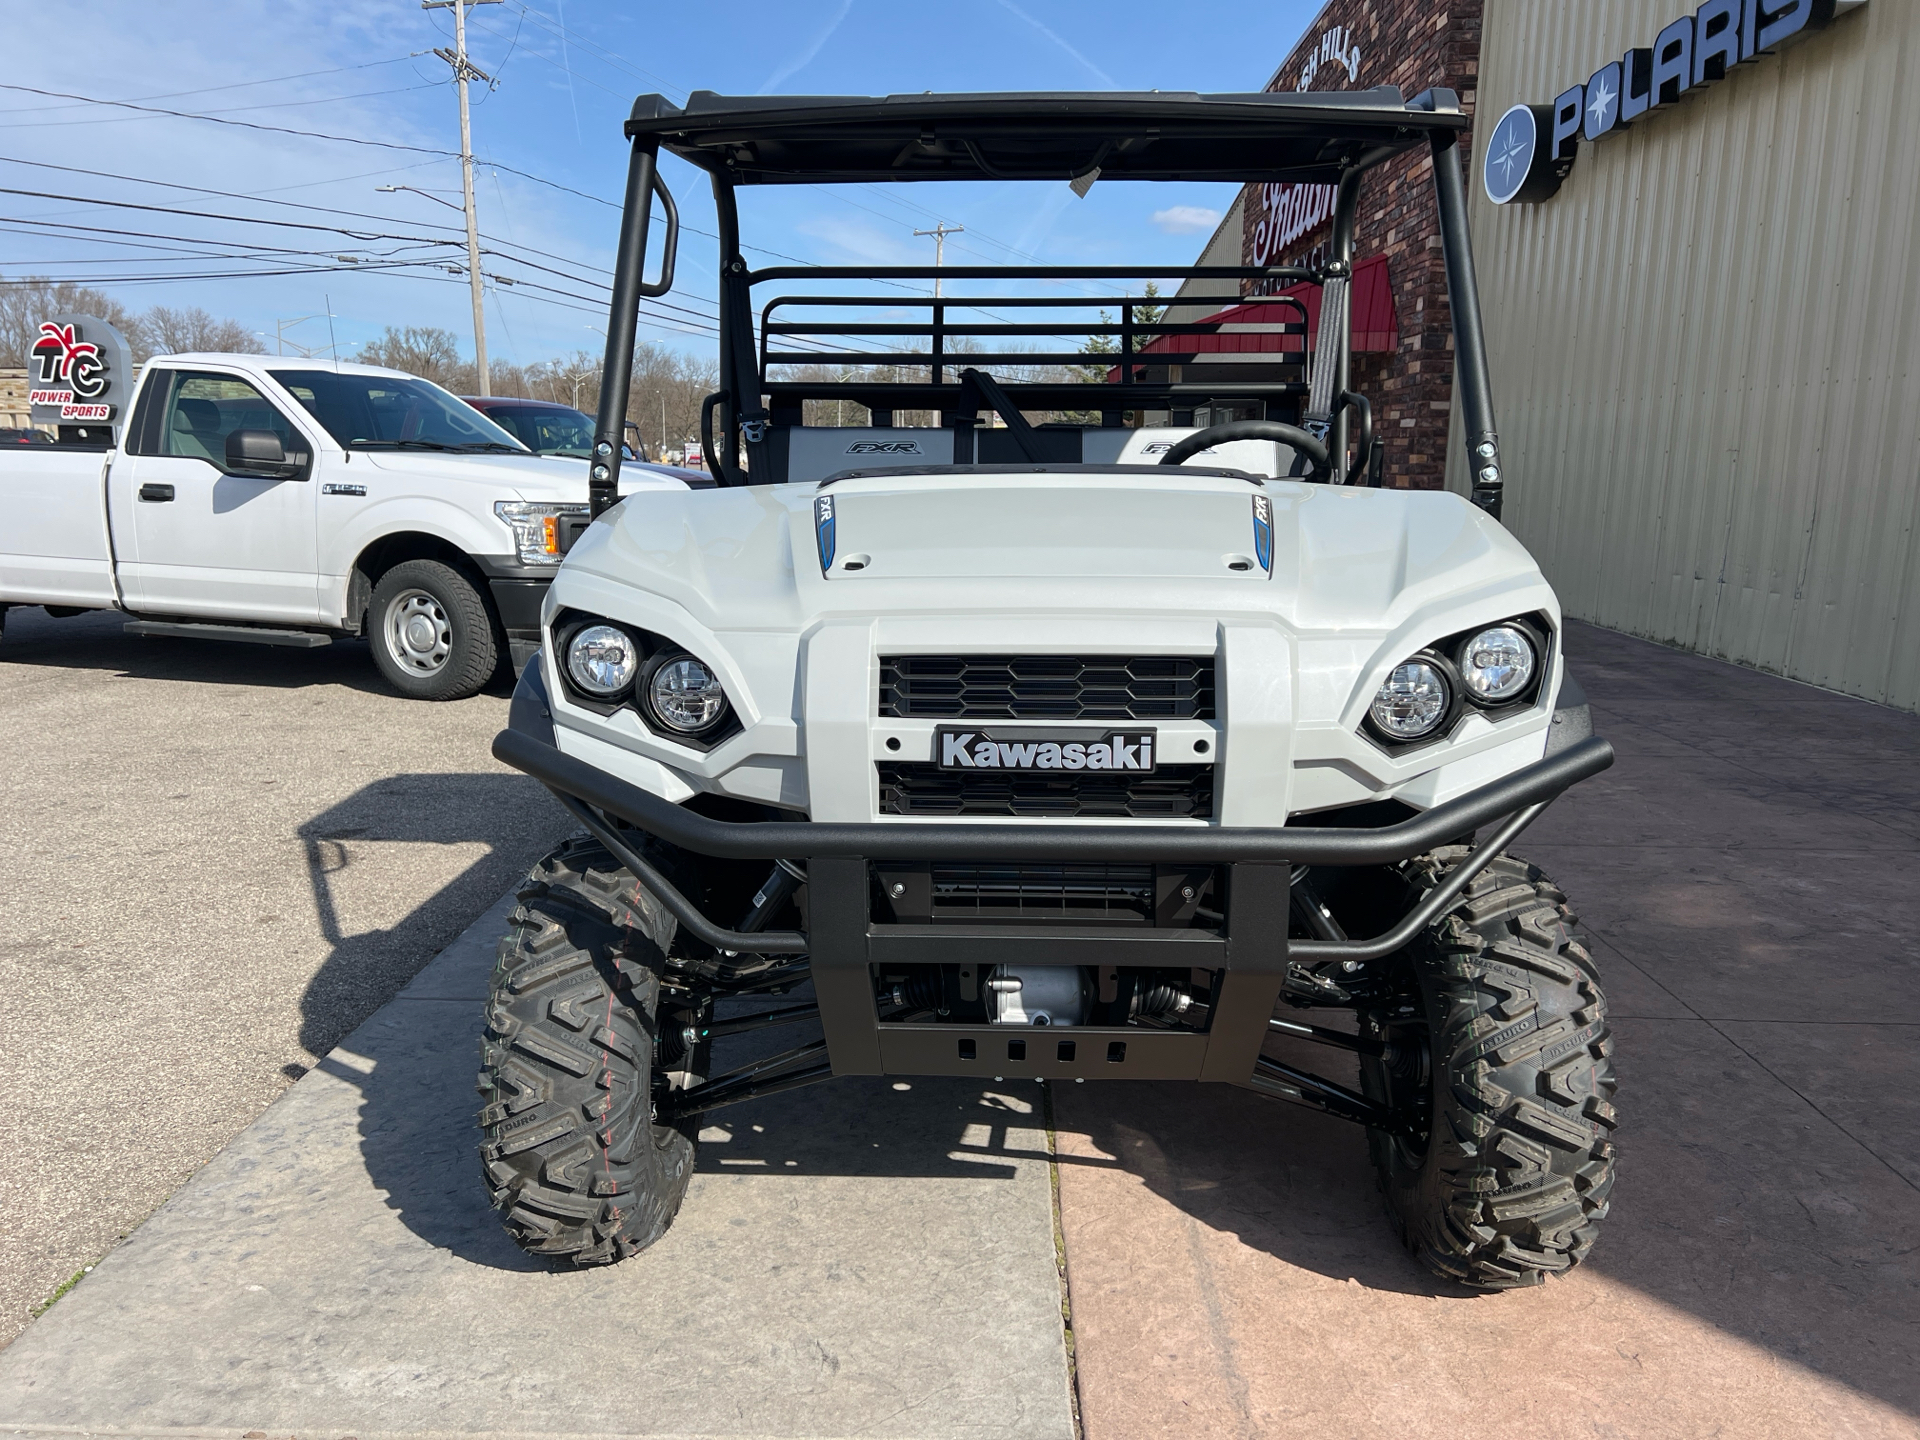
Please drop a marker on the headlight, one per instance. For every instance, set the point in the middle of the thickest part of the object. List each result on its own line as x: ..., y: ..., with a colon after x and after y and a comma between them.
x: 1497, y: 664
x: 603, y: 660
x: 536, y: 528
x: 1413, y: 702
x: 684, y: 695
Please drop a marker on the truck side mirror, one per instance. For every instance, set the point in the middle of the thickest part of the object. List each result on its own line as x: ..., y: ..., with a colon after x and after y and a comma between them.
x: 260, y: 452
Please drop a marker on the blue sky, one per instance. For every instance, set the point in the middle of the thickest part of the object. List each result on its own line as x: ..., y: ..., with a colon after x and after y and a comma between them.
x: 567, y: 74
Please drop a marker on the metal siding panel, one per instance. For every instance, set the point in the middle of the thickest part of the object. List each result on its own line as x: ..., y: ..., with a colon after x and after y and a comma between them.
x: 1704, y: 347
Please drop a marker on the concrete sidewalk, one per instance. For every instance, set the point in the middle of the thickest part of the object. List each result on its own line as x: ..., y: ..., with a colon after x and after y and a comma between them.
x: 218, y: 860
x: 878, y: 1263
x: 1749, y: 873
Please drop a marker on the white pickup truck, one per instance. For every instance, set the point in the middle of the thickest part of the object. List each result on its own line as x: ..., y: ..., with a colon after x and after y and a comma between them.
x: 291, y: 502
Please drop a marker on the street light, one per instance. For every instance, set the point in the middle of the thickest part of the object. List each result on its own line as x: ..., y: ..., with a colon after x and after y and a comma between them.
x: 281, y: 327
x: 415, y: 189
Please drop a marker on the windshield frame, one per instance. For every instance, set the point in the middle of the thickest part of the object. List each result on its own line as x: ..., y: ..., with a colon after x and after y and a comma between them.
x: 485, y: 437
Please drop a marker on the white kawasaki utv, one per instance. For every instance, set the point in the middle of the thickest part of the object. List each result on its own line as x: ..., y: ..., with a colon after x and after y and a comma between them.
x: 1069, y: 751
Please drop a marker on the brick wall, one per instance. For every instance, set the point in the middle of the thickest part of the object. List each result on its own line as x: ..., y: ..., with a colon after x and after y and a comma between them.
x: 1415, y: 44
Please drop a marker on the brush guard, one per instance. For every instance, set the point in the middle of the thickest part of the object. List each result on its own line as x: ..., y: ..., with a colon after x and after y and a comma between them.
x: 1249, y: 949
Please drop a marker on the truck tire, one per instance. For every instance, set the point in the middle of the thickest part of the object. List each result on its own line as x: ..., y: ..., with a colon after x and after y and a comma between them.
x: 1501, y: 1055
x: 431, y: 631
x: 568, y: 1077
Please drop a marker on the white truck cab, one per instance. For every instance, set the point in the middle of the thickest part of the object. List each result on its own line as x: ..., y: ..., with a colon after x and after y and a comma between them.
x: 292, y: 501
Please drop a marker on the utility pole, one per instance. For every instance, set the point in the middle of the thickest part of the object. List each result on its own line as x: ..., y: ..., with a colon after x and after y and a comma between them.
x: 462, y: 72
x: 939, y: 234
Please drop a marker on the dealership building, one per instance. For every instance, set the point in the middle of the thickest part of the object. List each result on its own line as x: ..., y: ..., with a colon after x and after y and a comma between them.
x: 1697, y: 229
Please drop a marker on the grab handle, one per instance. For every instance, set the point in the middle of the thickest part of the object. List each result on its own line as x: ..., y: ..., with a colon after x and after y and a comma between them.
x: 669, y: 245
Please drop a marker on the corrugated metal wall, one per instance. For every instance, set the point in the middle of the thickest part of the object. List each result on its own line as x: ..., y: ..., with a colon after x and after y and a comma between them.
x: 1704, y: 347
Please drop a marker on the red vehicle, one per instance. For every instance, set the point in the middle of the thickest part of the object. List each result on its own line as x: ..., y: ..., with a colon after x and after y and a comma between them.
x: 548, y: 428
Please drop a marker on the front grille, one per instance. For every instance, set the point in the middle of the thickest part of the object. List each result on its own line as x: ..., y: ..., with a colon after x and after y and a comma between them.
x: 1046, y: 687
x: 1084, y: 893
x: 1173, y: 792
x: 942, y: 892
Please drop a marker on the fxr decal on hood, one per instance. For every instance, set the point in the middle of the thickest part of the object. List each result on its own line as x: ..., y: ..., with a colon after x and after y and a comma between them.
x: 1263, y: 532
x: 823, y: 530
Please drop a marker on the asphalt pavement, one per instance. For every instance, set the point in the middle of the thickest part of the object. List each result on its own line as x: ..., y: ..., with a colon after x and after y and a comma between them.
x: 218, y: 859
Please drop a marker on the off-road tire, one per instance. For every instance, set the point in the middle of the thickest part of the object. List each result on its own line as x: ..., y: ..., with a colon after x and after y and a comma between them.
x: 568, y: 1079
x: 1513, y: 1055
x: 472, y: 649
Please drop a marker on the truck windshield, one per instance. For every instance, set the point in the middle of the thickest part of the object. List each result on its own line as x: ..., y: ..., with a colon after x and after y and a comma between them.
x: 393, y: 412
x: 547, y: 429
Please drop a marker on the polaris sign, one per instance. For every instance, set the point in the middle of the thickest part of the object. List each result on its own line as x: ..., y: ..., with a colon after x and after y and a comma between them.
x: 1534, y: 146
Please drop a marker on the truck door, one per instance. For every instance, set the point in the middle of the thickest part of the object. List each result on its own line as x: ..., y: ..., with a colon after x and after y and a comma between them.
x: 207, y: 540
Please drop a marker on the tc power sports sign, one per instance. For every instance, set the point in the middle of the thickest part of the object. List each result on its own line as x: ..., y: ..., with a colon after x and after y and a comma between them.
x: 80, y: 372
x: 1534, y: 146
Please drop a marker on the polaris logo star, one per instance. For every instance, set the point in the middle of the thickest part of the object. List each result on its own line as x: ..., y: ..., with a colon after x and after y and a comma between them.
x: 884, y: 447
x: 977, y: 750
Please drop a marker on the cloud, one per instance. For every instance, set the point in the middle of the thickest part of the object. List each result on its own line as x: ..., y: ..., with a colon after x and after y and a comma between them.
x: 805, y: 57
x: 1186, y: 219
x: 1098, y: 74
x: 860, y: 240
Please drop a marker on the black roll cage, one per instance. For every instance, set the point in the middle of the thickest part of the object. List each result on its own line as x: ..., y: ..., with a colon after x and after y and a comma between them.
x: 1316, y: 138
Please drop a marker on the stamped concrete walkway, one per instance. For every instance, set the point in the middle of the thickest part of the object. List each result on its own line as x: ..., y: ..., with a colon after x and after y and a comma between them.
x: 1750, y: 874
x: 880, y: 1263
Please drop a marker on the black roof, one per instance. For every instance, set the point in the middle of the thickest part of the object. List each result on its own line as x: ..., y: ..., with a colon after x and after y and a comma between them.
x: 1126, y: 135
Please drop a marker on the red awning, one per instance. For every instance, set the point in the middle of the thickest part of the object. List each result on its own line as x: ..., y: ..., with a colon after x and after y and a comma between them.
x: 1376, y: 328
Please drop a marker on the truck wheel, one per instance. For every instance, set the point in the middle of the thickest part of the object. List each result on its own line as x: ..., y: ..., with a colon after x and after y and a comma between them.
x: 431, y: 630
x: 568, y: 1078
x: 1499, y: 1058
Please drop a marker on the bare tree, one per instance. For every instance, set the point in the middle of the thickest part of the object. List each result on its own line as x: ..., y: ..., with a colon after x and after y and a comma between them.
x: 663, y: 397
x: 424, y: 350
x: 25, y: 303
x: 179, y: 332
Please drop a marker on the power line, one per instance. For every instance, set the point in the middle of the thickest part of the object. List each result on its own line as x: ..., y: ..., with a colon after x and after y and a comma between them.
x: 221, y: 120
x: 204, y: 115
x: 270, y: 80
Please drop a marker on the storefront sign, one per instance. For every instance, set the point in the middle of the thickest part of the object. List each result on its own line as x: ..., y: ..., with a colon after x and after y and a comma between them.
x: 1290, y: 213
x: 1336, y: 46
x: 1534, y: 146
x: 80, y: 373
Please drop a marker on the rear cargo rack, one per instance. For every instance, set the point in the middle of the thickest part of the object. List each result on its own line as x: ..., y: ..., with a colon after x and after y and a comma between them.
x: 1142, y: 369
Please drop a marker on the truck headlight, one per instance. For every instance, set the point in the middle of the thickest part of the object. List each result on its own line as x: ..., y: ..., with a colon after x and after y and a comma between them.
x: 536, y: 528
x: 684, y: 695
x: 1414, y: 700
x: 1497, y: 664
x: 602, y: 660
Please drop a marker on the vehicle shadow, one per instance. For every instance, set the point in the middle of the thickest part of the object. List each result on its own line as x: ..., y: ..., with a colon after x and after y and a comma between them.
x: 98, y: 641
x: 415, y: 1063
x: 508, y: 813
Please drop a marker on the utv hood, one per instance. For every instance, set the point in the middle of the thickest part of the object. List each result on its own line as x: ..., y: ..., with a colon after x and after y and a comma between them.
x: 1040, y: 527
x: 778, y: 557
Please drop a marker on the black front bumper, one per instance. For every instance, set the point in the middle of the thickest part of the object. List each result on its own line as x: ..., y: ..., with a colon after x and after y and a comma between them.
x: 518, y: 592
x: 1250, y: 949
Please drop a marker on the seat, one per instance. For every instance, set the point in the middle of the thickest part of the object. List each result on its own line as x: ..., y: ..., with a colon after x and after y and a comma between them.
x: 198, y: 431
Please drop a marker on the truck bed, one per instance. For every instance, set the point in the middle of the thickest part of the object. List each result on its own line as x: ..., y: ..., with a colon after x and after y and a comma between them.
x: 53, y: 528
